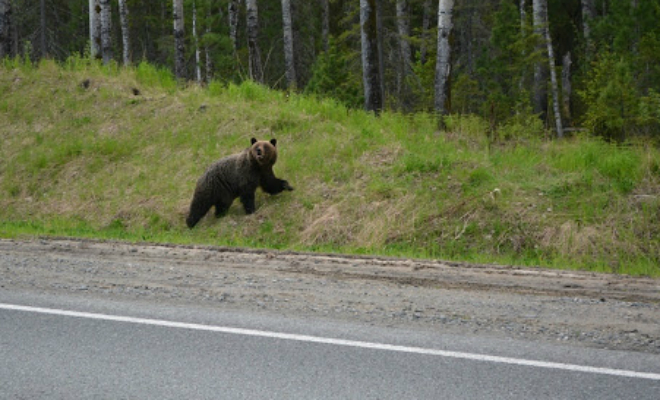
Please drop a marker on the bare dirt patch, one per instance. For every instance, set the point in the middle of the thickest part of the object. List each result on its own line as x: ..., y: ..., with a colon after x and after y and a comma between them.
x: 607, y: 311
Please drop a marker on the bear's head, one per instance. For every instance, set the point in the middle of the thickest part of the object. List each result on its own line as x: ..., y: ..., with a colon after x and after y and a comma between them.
x: 264, y: 152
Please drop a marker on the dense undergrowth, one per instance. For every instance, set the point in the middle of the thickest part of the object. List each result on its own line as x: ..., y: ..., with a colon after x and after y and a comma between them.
x: 83, y: 155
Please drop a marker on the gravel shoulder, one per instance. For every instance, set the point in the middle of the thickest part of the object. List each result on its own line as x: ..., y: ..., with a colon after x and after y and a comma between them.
x: 581, y: 308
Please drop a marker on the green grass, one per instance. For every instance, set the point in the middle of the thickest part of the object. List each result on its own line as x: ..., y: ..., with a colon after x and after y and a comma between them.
x: 101, y: 162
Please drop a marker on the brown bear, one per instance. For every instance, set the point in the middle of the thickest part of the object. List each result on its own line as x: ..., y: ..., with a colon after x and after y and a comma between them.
x: 237, y: 175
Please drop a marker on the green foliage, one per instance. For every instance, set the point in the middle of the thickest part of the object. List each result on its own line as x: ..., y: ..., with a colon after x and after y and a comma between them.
x: 618, y: 90
x: 221, y: 52
x: 153, y: 76
x: 523, y: 125
x: 423, y: 84
x: 466, y: 96
x: 496, y: 91
x: 616, y: 109
x: 332, y: 78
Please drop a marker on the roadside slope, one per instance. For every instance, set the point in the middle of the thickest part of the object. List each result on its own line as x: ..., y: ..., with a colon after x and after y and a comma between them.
x: 616, y: 312
x: 107, y: 152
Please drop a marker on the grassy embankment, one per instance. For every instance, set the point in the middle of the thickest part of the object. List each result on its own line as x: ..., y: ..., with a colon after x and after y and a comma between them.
x: 103, y: 162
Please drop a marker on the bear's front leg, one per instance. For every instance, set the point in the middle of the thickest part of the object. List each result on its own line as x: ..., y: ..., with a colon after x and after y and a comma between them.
x: 248, y: 203
x: 286, y: 186
x: 273, y: 185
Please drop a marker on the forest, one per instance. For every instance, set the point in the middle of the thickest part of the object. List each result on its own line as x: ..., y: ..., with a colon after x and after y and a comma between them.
x: 577, y: 65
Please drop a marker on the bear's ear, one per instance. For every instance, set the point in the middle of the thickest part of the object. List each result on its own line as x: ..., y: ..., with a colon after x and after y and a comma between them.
x: 253, y: 141
x: 273, y: 142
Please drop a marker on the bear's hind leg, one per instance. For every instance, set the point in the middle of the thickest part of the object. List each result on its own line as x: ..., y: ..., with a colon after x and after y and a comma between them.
x: 198, y: 208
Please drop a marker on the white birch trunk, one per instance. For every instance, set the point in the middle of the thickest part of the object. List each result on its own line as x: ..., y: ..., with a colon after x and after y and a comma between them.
x: 95, y: 28
x: 179, y: 45
x: 232, y: 9
x: 256, y: 70
x: 198, y: 70
x: 373, y: 97
x: 443, y: 61
x: 106, y: 31
x: 539, y: 10
x: 553, y: 77
x: 588, y: 11
x: 287, y: 25
x: 125, y: 34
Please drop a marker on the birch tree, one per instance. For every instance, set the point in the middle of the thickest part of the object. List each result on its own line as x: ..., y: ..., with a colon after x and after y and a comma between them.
x: 95, y: 28
x: 540, y: 96
x: 587, y: 17
x: 553, y: 72
x: 254, y: 55
x: 373, y: 96
x: 198, y: 70
x: 5, y: 22
x: 443, y: 60
x: 179, y: 45
x: 232, y: 9
x: 125, y: 34
x: 106, y: 31
x: 287, y: 26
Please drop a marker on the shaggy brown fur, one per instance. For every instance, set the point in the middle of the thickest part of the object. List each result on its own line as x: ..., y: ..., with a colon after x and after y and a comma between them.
x: 237, y: 175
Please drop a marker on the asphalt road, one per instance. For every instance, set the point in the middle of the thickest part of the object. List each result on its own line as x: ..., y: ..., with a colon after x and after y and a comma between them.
x: 65, y: 346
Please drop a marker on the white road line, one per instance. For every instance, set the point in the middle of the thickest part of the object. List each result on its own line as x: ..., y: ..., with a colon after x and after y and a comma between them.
x: 337, y: 342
